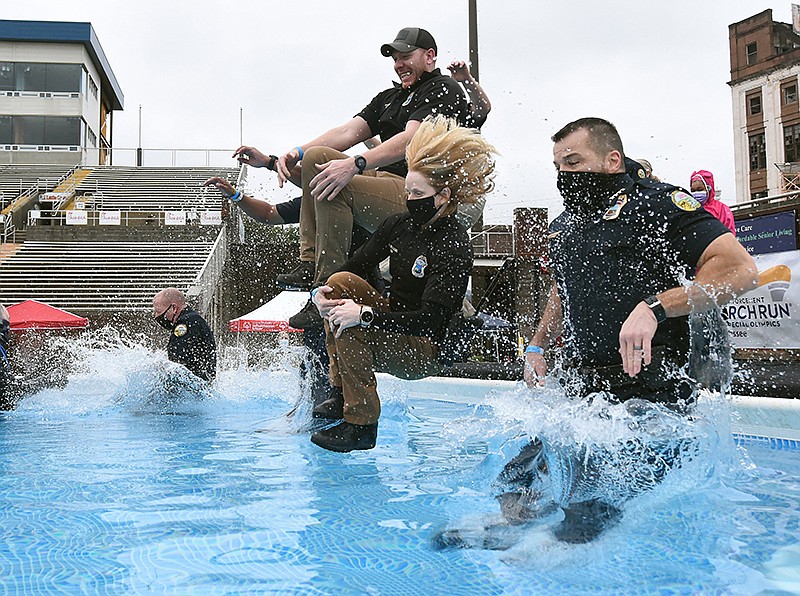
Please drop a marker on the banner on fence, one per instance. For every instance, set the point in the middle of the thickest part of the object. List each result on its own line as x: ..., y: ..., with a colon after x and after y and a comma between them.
x: 769, y: 316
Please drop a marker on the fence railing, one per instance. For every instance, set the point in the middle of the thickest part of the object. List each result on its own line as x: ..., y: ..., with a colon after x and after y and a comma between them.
x: 124, y: 218
x: 486, y: 242
x: 128, y: 156
x: 202, y: 290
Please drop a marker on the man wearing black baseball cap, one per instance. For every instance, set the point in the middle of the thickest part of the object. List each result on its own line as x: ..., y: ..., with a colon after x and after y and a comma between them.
x: 410, y: 39
x: 339, y: 190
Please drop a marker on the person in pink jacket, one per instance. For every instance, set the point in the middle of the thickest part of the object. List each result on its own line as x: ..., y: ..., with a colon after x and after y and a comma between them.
x: 702, y: 187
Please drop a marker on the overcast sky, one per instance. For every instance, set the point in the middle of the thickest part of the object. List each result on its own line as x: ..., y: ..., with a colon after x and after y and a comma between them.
x: 657, y: 69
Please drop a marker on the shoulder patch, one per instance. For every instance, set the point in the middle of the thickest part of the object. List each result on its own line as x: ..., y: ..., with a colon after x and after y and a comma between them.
x: 685, y: 201
x: 180, y: 330
x: 614, y: 211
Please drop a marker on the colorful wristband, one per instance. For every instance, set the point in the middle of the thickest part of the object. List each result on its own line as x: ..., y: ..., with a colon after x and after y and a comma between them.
x: 236, y: 197
x: 300, y: 150
x: 534, y: 350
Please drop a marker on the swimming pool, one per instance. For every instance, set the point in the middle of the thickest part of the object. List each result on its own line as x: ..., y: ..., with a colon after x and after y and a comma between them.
x: 109, y: 487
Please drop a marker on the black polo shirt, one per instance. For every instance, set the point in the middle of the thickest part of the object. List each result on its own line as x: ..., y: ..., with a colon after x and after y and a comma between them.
x: 192, y: 344
x: 430, y: 268
x: 389, y: 111
x: 647, y: 239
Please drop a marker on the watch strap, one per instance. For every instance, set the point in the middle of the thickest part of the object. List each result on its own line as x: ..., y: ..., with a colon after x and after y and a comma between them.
x: 361, y: 163
x: 366, y: 316
x: 656, y: 308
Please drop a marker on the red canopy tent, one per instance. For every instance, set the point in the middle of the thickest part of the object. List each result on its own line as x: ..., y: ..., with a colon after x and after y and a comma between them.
x: 31, y: 314
x: 272, y: 316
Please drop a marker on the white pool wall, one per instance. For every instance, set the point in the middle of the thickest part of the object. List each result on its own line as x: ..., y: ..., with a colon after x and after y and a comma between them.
x: 770, y: 417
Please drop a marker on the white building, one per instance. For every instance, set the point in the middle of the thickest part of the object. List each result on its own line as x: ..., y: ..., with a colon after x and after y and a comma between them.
x: 57, y: 94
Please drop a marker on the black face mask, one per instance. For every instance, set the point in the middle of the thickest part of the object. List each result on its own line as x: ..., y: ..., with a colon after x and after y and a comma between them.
x: 162, y: 319
x: 588, y: 192
x: 422, y: 210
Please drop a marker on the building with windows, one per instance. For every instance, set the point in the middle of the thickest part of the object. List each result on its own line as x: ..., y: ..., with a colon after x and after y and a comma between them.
x: 765, y: 63
x: 57, y: 94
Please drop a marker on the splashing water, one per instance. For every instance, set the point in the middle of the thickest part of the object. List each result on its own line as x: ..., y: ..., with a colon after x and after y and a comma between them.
x: 106, y: 370
x: 597, y: 449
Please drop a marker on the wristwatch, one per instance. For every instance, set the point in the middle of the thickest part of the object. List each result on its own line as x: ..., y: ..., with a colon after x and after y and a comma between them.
x: 361, y: 163
x: 366, y: 317
x: 656, y: 308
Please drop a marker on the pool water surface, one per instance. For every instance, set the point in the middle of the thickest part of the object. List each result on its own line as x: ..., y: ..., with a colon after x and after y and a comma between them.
x: 112, y: 487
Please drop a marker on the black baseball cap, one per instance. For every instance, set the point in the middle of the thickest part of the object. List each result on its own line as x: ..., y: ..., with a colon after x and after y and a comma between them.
x: 410, y: 38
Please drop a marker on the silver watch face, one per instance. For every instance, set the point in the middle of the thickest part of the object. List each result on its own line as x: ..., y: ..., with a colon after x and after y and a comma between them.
x: 367, y: 316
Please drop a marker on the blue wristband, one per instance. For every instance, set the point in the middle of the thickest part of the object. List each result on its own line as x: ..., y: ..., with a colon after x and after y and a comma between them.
x: 534, y: 350
x: 313, y: 292
x: 300, y: 149
x: 236, y: 197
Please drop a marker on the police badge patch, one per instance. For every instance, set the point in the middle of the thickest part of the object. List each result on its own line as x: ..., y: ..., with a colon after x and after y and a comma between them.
x: 685, y: 201
x: 418, y: 268
x: 408, y: 100
x: 180, y: 330
x: 613, y: 211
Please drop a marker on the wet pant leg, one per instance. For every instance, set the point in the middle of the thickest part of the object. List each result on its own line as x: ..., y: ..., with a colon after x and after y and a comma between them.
x: 359, y: 352
x: 326, y: 227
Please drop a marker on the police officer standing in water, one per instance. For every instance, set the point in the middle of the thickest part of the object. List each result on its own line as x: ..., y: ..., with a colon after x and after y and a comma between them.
x: 191, y: 341
x: 620, y: 251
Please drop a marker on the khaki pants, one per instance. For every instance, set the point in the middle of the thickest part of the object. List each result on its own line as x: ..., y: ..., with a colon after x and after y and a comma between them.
x: 359, y: 352
x: 326, y: 227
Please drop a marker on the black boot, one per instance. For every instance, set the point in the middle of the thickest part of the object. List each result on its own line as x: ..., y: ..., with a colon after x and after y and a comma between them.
x: 345, y: 437
x: 299, y: 278
x: 585, y: 521
x: 333, y: 407
x: 307, y: 318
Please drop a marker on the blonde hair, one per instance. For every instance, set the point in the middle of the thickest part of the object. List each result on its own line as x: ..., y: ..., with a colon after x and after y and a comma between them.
x: 452, y: 156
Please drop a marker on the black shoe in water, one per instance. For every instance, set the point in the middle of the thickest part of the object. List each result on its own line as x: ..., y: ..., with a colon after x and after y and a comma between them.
x: 583, y: 522
x: 307, y: 318
x: 346, y: 437
x: 333, y: 407
x: 300, y: 278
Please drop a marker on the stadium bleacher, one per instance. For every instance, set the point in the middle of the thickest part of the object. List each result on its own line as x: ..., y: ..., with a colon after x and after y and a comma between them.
x: 96, y: 268
x: 99, y: 276
x: 16, y: 179
x: 151, y: 189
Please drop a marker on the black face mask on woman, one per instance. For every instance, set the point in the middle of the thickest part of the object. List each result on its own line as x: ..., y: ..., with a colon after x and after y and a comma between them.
x: 588, y: 192
x: 162, y: 319
x: 422, y: 210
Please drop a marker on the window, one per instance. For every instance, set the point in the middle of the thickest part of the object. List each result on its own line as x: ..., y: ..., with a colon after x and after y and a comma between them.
x: 791, y: 143
x: 39, y: 76
x: 62, y: 131
x: 788, y: 94
x: 41, y: 130
x: 6, y: 76
x: 758, y: 152
x: 751, y: 51
x: 6, y: 130
x: 93, y: 87
x: 754, y: 105
x: 63, y: 78
x: 30, y: 76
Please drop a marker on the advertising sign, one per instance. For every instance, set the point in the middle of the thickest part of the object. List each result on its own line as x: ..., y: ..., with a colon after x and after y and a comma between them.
x: 110, y: 218
x: 768, y: 233
x: 77, y: 218
x: 174, y: 218
x: 769, y: 316
x: 210, y: 218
